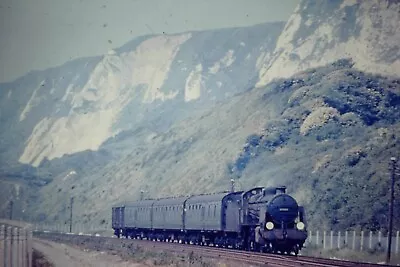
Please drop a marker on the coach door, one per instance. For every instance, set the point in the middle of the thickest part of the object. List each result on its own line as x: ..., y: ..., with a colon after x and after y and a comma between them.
x: 119, y: 216
x: 203, y: 220
x: 135, y: 216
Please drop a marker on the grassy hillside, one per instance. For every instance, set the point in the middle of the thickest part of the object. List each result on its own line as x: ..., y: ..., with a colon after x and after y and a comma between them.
x: 330, y: 144
x: 326, y: 133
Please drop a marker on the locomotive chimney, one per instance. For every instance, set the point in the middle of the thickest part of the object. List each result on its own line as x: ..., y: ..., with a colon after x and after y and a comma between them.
x: 141, y: 194
x: 232, y: 185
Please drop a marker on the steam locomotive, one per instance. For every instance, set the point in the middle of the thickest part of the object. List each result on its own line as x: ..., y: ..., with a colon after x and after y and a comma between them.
x: 260, y: 219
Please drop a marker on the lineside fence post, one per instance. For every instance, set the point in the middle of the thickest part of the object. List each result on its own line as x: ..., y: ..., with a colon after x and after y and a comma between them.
x: 370, y: 239
x: 393, y: 173
x: 22, y: 242
x: 362, y: 241
x: 14, y: 246
x: 2, y: 244
x: 29, y: 247
x: 8, y: 246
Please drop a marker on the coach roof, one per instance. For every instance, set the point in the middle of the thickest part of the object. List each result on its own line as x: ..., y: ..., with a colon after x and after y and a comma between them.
x: 210, y: 198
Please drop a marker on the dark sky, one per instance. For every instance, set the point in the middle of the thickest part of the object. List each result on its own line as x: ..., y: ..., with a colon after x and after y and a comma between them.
x: 38, y: 34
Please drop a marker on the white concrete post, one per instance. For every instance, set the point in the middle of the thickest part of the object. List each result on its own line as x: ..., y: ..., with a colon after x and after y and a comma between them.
x: 310, y: 239
x: 338, y: 240
x: 324, y: 240
x: 362, y: 240
x: 354, y: 240
x: 397, y: 242
x: 20, y: 247
x: 23, y: 251
x: 2, y: 244
x: 346, y: 238
x: 29, y: 245
x: 14, y: 246
x: 370, y: 239
x: 331, y: 239
x: 317, y: 239
x: 380, y: 237
x: 8, y: 245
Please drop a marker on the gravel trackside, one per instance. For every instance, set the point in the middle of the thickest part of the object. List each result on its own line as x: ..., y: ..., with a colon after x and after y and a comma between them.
x: 64, y: 255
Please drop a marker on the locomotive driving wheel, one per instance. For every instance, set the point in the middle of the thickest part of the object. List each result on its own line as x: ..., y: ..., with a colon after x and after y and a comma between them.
x: 296, y: 249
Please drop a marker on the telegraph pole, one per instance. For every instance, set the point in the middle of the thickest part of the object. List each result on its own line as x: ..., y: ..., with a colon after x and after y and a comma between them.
x: 11, y: 209
x: 70, y: 216
x: 393, y: 169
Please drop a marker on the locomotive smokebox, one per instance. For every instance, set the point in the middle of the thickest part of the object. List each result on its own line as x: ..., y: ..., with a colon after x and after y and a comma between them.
x: 283, y: 208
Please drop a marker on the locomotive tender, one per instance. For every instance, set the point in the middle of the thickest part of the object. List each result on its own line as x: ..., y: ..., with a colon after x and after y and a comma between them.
x: 260, y: 219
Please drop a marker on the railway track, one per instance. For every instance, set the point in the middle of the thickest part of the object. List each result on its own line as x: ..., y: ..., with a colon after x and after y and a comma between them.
x: 251, y: 258
x: 256, y: 257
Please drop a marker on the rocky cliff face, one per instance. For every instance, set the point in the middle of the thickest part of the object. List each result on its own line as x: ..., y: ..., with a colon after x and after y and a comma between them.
x: 320, y: 32
x: 154, y: 81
